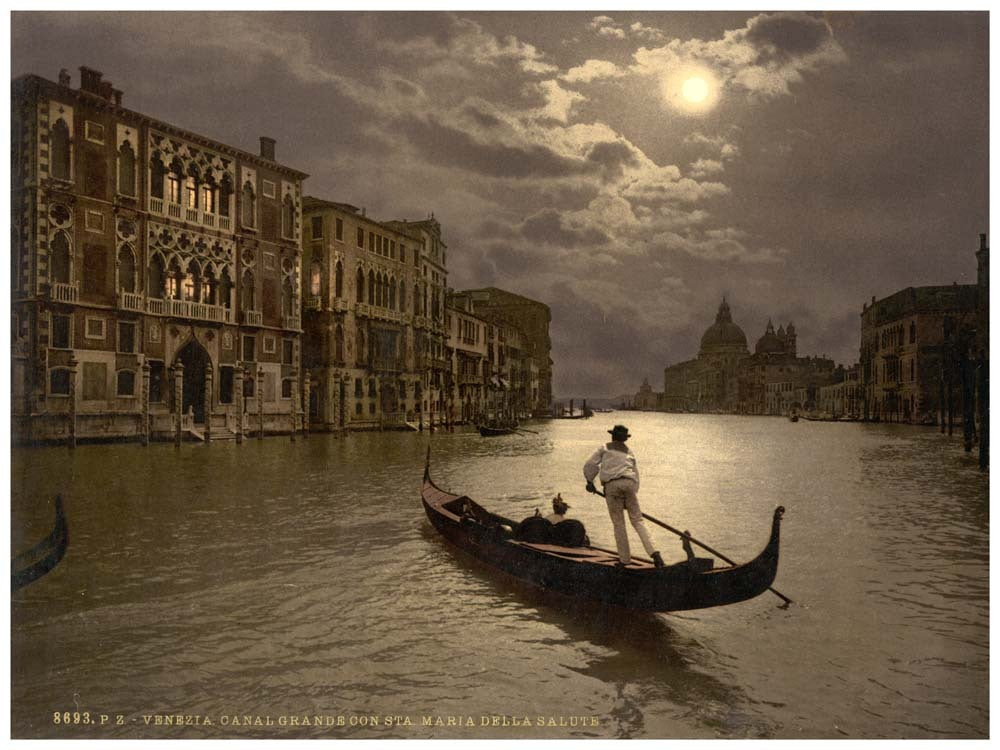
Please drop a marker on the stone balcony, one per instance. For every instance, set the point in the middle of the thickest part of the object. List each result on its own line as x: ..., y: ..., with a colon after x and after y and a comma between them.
x: 190, y: 215
x: 131, y: 301
x: 178, y: 308
x: 65, y: 292
x: 292, y: 322
x: 340, y: 304
x: 253, y: 318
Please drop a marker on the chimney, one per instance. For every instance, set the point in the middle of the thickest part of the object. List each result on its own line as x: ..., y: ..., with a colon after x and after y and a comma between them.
x: 118, y: 97
x: 982, y: 241
x: 106, y: 89
x: 64, y: 78
x: 90, y: 80
x: 267, y: 147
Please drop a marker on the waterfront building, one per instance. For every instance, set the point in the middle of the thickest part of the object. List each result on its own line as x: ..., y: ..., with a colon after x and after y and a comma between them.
x: 843, y: 397
x: 912, y: 346
x: 373, y: 319
x: 531, y: 319
x: 155, y: 273
x: 467, y: 348
x: 646, y: 399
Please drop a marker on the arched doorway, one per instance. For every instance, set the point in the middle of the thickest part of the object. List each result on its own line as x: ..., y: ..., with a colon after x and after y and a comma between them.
x: 196, y: 361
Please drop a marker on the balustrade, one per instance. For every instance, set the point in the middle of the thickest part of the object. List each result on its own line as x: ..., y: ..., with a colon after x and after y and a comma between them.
x: 291, y: 321
x: 65, y: 292
x: 130, y: 301
x: 253, y: 318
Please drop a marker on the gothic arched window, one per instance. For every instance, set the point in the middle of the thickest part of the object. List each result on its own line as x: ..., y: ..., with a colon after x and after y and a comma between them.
x: 288, y: 217
x: 249, y: 206
x: 315, y: 278
x: 59, y: 150
x: 247, y: 295
x: 59, y: 260
x: 338, y: 287
x: 156, y: 281
x: 126, y: 269
x: 402, y: 296
x: 224, y: 294
x: 126, y: 170
x: 360, y: 284
x: 371, y: 287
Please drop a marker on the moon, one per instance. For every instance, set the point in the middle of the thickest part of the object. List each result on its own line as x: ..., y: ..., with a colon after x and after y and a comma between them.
x: 695, y: 89
x: 691, y: 90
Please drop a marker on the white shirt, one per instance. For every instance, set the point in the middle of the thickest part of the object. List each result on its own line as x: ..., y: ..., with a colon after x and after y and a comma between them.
x: 555, y: 518
x: 612, y: 464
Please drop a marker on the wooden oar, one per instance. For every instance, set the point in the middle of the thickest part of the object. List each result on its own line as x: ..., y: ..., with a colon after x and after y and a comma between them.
x: 521, y: 429
x: 705, y: 547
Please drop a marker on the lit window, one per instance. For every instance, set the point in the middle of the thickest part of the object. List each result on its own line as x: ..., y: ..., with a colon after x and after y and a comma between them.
x: 173, y: 188
x: 191, y: 192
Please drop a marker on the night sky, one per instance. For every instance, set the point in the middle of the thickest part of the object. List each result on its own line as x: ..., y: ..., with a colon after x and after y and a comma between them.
x: 626, y: 169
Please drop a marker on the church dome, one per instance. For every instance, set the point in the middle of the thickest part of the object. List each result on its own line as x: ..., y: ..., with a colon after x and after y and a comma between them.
x: 723, y: 335
x: 769, y: 343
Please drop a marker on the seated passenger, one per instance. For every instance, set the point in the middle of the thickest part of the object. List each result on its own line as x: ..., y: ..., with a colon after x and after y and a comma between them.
x: 566, y: 532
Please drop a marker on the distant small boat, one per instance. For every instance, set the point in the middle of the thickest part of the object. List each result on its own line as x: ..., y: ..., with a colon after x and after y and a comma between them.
x: 31, y: 565
x: 793, y: 418
x: 487, y: 431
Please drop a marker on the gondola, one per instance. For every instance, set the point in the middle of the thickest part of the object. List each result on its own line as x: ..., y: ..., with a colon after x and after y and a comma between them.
x: 487, y: 431
x: 31, y: 565
x: 590, y: 573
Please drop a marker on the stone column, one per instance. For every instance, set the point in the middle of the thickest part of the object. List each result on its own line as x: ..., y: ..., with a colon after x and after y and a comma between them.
x: 178, y: 401
x: 71, y: 416
x: 294, y: 404
x: 306, y: 389
x: 238, y: 400
x: 208, y: 402
x: 144, y: 426
x: 260, y: 403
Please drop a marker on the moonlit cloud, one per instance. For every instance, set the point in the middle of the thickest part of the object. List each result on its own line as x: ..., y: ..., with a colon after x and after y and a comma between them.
x: 593, y: 70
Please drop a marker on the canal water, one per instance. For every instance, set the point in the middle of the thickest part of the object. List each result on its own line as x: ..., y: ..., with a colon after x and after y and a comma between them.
x: 275, y: 586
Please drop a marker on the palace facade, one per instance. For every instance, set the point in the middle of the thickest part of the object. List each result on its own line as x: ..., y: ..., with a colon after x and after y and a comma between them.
x: 155, y: 273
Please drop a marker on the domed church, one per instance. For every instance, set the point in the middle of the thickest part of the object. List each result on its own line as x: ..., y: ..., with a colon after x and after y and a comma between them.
x: 726, y: 377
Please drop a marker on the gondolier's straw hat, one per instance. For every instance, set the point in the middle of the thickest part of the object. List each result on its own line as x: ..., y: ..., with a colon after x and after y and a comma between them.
x: 619, y: 429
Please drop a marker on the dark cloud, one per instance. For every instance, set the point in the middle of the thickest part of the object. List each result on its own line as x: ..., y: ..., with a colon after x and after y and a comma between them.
x: 612, y: 157
x: 547, y: 226
x: 788, y: 34
x: 446, y: 145
x: 482, y: 118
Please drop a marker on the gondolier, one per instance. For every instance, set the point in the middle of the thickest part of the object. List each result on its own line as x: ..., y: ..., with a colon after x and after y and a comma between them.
x: 619, y: 474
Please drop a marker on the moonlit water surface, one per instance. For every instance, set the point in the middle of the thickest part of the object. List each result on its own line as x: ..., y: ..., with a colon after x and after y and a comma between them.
x: 279, y: 579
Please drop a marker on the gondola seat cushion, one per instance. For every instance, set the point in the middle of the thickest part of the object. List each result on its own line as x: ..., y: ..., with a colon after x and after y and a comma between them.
x: 534, y: 529
x: 569, y: 533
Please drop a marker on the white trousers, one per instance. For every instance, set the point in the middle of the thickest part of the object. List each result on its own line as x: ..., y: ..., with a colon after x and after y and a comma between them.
x: 620, y: 496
